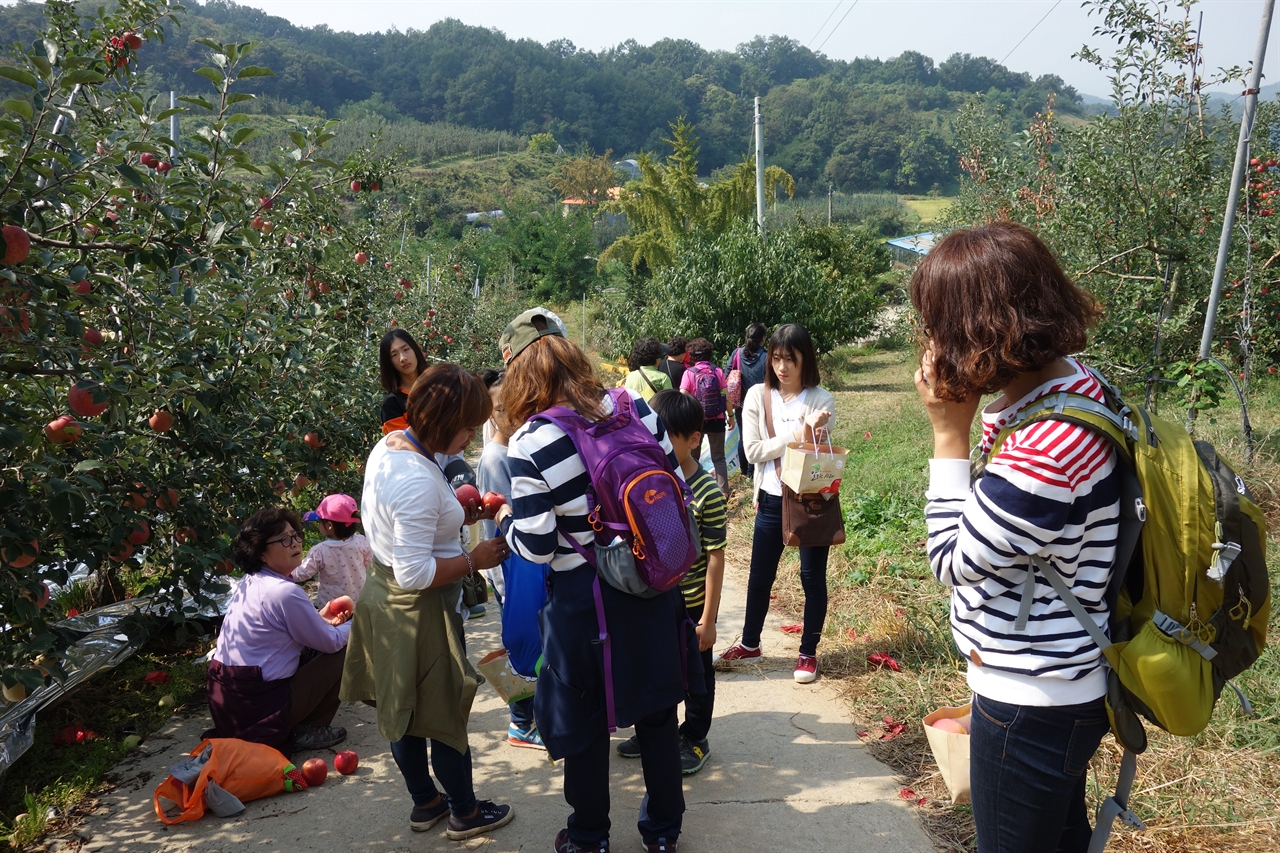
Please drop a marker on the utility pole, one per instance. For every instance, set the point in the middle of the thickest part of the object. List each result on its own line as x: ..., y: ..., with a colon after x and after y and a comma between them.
x: 173, y: 127
x: 831, y: 188
x: 1237, y: 177
x: 759, y: 169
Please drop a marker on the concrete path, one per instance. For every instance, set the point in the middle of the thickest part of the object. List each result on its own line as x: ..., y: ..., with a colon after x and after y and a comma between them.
x: 786, y: 772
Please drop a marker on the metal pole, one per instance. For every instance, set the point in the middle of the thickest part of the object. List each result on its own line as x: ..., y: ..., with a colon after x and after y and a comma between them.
x: 831, y: 188
x: 1237, y: 177
x: 173, y: 127
x: 759, y: 170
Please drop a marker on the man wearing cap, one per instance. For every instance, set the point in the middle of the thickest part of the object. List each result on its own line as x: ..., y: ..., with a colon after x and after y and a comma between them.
x: 342, y: 559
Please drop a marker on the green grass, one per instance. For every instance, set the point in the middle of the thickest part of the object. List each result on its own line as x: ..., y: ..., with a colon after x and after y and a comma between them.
x: 114, y: 704
x: 929, y: 208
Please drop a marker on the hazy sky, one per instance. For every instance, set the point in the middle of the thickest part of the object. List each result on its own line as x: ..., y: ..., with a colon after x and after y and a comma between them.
x: 880, y: 28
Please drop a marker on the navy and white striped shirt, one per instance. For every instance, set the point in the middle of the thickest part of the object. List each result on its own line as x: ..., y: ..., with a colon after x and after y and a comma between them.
x: 549, y: 482
x: 1053, y: 492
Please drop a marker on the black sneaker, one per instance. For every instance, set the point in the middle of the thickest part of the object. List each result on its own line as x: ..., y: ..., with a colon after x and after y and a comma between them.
x: 318, y: 737
x: 629, y: 748
x: 425, y: 817
x: 564, y: 845
x: 489, y: 816
x: 693, y: 754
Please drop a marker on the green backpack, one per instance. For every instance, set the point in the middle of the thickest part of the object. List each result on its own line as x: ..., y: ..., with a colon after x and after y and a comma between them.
x: 1189, y: 598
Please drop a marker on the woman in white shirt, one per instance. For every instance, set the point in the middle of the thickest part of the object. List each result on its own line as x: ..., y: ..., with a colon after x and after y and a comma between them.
x: 801, y: 412
x: 406, y: 652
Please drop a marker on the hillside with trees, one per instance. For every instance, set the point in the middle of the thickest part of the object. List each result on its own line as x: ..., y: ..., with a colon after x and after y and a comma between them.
x: 864, y: 125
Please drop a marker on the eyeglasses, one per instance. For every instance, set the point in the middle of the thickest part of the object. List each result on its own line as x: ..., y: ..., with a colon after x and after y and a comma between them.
x: 289, y: 539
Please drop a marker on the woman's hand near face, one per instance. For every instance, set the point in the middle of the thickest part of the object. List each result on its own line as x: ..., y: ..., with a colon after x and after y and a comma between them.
x: 952, y: 421
x: 490, y: 553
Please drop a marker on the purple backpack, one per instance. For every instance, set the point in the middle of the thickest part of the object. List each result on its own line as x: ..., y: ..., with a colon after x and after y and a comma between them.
x: 707, y: 389
x: 645, y: 538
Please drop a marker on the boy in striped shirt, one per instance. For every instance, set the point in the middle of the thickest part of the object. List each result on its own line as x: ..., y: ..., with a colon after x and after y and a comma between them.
x: 682, y: 416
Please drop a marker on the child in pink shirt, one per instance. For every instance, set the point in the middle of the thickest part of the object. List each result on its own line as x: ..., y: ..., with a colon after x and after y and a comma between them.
x: 342, y: 559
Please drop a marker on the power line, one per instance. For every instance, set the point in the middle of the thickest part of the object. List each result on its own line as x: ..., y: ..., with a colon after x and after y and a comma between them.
x: 1030, y: 31
x: 841, y: 21
x: 839, y: 3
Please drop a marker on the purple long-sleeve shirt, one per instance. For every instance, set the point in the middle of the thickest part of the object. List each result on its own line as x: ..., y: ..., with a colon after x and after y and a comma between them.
x: 269, y: 622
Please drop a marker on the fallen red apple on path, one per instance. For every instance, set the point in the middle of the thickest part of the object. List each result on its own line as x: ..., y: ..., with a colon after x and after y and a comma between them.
x: 63, y: 430
x: 17, y: 244
x: 161, y: 421
x: 80, y: 398
x: 315, y: 771
x: 346, y: 762
x: 493, y: 501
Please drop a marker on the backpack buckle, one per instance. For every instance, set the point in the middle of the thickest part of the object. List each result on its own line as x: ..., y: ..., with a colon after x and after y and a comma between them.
x: 1226, y: 553
x: 594, y: 518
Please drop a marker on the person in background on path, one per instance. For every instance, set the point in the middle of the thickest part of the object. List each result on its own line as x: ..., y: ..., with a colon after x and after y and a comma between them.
x: 999, y: 315
x: 342, y: 559
x: 407, y: 652
x: 494, y: 475
x: 645, y: 378
x: 749, y: 361
x: 258, y: 690
x: 801, y: 410
x: 682, y: 416
x: 704, y: 381
x: 675, y: 362
x: 549, y: 486
x: 400, y: 363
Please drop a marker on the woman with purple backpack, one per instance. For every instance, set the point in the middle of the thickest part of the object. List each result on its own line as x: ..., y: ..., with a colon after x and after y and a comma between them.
x: 706, y: 382
x: 638, y: 675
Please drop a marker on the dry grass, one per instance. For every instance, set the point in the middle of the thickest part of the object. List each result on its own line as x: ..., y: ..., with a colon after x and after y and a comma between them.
x: 1219, y: 791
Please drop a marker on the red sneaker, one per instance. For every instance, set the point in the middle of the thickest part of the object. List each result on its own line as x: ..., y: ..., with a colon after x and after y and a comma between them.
x: 806, y: 669
x: 738, y: 652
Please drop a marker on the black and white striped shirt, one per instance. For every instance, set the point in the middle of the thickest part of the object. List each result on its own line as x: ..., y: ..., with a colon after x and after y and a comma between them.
x: 549, y: 483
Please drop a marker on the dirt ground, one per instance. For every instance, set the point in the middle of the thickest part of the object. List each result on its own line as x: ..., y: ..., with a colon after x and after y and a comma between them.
x: 786, y: 772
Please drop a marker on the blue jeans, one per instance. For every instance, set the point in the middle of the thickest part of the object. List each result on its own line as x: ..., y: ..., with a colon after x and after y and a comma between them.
x: 453, y: 768
x: 1027, y: 772
x: 766, y: 551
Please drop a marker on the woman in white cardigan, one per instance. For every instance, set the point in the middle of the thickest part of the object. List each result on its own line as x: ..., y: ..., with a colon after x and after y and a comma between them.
x: 801, y: 411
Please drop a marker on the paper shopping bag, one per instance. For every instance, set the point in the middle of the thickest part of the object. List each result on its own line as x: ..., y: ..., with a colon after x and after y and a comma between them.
x: 951, y: 751
x: 809, y: 468
x: 511, y: 685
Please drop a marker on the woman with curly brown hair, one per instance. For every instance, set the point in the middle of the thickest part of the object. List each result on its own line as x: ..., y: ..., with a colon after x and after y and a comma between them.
x: 998, y: 314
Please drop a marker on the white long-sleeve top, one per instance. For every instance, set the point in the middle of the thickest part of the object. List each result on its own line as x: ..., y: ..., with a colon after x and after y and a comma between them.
x: 411, y: 516
x: 761, y: 450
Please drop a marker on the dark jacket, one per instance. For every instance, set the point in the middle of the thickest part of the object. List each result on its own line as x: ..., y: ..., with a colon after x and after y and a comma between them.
x: 752, y: 367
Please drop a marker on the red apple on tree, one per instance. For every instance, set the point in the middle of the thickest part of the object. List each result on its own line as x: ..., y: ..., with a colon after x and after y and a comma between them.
x: 315, y: 771
x: 21, y: 560
x: 346, y: 762
x: 82, y: 287
x: 92, y: 337
x: 161, y: 421
x: 17, y: 244
x: 362, y: 258
x: 123, y: 552
x: 149, y: 160
x: 313, y: 441
x: 163, y: 166
x: 355, y: 186
x: 387, y: 265
x: 63, y: 430
x: 140, y: 533
x: 81, y: 399
x: 266, y: 203
x: 131, y: 40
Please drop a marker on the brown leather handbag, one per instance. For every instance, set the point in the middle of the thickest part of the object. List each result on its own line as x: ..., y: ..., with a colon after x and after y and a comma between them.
x: 808, y: 521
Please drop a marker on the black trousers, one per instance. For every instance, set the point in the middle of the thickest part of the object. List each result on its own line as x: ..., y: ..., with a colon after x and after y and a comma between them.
x: 586, y: 784
x: 700, y: 707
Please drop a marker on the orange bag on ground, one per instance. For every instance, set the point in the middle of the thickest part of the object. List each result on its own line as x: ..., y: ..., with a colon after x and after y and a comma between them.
x: 245, y: 770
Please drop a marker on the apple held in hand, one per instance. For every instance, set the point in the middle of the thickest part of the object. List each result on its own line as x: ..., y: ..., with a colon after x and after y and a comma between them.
x: 315, y: 771
x: 493, y: 501
x: 469, y: 496
x: 346, y: 762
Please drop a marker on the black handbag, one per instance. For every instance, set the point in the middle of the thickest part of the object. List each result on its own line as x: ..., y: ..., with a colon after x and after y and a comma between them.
x: 808, y: 521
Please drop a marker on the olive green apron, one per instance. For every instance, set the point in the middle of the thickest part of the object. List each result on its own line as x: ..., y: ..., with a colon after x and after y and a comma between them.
x: 406, y: 658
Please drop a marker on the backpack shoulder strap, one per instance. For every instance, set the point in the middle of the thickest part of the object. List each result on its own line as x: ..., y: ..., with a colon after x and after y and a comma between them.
x: 737, y: 359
